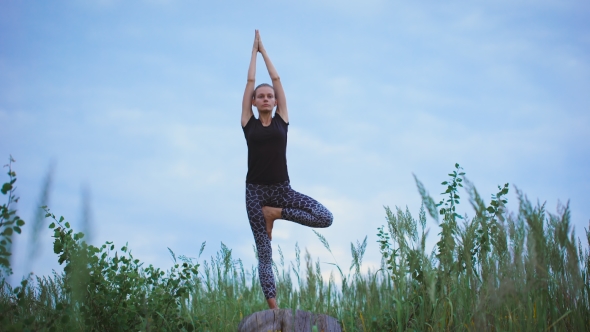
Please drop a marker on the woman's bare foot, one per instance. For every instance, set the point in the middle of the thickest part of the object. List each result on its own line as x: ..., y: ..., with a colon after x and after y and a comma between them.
x: 270, y: 215
x: 272, y: 303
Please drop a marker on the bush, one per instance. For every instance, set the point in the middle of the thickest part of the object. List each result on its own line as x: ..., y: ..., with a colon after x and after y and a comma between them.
x: 495, y: 271
x: 98, y: 290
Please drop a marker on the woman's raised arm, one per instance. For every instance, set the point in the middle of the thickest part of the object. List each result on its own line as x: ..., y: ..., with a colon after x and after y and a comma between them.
x: 249, y: 91
x: 276, y: 82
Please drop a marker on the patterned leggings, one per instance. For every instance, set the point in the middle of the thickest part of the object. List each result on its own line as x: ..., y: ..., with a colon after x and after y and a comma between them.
x: 296, y: 207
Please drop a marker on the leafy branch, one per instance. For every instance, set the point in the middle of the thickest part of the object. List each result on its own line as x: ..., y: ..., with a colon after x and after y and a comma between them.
x: 10, y: 222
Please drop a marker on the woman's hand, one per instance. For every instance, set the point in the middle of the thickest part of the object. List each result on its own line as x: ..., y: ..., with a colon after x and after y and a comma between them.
x: 256, y: 42
x: 260, y: 46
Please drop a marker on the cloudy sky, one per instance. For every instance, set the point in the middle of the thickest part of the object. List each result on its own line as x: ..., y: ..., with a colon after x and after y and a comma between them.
x: 136, y: 106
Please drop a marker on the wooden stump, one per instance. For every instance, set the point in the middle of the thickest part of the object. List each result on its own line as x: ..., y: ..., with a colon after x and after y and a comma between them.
x: 283, y: 320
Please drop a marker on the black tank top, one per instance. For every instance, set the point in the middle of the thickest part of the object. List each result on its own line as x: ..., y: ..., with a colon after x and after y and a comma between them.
x: 267, y: 151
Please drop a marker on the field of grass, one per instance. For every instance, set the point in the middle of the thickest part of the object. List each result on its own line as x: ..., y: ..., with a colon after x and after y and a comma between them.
x: 497, y: 271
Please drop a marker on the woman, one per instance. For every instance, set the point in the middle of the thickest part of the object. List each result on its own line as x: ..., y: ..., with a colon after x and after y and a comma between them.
x: 268, y: 193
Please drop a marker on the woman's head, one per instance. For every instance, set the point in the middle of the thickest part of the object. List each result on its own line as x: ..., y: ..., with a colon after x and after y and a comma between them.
x: 264, y: 98
x: 263, y: 85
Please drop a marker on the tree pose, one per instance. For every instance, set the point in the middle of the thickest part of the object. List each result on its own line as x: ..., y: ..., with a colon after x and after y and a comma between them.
x: 269, y: 195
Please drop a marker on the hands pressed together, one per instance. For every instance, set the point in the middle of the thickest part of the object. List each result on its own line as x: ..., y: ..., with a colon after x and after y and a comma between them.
x: 258, y: 47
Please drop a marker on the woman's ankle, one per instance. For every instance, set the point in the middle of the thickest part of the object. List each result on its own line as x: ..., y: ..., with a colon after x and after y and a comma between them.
x: 272, y: 303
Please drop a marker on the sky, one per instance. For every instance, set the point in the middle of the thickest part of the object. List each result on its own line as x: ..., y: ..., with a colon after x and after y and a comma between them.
x: 133, y: 108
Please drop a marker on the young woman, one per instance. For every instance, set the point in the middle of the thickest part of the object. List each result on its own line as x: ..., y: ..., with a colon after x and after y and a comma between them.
x: 268, y: 194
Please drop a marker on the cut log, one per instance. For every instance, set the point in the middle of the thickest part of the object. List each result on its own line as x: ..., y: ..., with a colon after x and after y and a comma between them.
x: 283, y: 320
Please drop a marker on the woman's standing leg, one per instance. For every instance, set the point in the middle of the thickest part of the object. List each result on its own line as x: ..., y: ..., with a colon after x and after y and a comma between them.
x: 278, y: 201
x: 256, y: 197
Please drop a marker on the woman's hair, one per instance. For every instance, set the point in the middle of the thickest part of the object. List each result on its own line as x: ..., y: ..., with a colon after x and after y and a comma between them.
x: 261, y: 85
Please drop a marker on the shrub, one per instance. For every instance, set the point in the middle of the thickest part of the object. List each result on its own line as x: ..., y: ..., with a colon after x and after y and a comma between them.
x: 495, y: 271
x: 99, y: 290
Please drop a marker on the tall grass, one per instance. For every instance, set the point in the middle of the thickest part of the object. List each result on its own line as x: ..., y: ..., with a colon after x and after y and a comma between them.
x: 495, y: 271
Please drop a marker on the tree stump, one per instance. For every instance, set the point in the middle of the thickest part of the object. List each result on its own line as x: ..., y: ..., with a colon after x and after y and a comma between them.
x: 282, y: 320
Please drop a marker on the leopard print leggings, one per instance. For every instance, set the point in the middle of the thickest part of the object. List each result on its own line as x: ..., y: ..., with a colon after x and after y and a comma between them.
x: 296, y: 207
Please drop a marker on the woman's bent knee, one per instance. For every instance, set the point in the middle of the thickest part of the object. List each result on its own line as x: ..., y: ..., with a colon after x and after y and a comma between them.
x: 327, y: 219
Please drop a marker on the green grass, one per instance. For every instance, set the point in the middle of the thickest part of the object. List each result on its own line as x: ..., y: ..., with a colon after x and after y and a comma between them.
x: 495, y: 271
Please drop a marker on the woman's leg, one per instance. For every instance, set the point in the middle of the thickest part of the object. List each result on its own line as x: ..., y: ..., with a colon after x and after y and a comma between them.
x: 256, y: 197
x: 303, y: 209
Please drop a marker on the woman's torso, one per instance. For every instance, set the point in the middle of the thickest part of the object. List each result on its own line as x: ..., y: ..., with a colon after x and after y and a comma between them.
x: 267, y: 151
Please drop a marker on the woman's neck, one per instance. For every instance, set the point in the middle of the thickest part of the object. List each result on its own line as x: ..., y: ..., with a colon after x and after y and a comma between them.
x: 265, y: 118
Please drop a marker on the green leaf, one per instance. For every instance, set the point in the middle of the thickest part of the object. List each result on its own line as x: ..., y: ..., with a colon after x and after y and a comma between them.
x: 67, y: 224
x: 17, y: 229
x: 20, y: 222
x: 61, y: 218
x: 7, y: 232
x: 52, y: 225
x: 57, y: 247
x: 6, y: 188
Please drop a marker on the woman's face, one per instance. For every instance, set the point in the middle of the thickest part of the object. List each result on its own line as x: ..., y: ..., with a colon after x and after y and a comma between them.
x: 264, y: 99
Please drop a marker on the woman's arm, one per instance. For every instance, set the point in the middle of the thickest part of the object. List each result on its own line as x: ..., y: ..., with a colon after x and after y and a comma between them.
x: 276, y: 82
x: 249, y: 91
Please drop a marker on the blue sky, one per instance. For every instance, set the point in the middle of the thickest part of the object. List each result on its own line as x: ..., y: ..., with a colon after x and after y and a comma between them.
x: 139, y: 102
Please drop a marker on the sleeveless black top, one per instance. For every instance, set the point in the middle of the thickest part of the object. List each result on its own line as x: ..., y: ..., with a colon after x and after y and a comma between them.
x: 267, y: 151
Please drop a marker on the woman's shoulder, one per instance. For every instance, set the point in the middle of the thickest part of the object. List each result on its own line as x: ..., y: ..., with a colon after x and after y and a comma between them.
x: 280, y: 118
x: 251, y: 120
